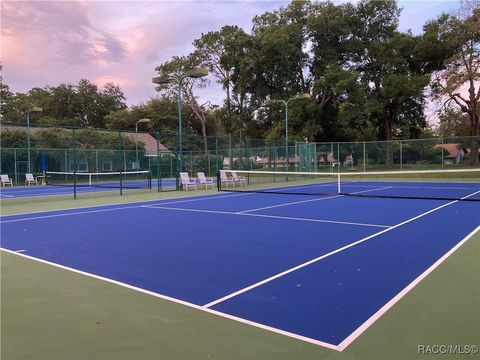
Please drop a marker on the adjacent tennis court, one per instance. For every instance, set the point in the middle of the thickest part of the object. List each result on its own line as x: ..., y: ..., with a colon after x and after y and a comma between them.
x: 87, y: 183
x: 320, y: 268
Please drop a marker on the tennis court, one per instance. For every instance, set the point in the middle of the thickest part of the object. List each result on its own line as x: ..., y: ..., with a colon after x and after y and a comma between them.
x: 67, y: 189
x: 319, y: 268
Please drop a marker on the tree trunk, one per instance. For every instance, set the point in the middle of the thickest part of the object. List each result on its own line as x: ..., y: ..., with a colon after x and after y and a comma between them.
x: 200, y: 113
x: 474, y: 156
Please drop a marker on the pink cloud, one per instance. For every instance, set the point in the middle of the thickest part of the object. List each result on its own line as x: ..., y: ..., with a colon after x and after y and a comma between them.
x: 54, y: 42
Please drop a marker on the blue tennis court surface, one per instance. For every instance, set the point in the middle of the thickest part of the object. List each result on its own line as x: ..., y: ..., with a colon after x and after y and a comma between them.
x: 316, y: 268
x: 47, y: 190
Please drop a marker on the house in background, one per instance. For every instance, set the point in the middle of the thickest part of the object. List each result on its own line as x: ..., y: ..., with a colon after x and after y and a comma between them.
x: 456, y: 153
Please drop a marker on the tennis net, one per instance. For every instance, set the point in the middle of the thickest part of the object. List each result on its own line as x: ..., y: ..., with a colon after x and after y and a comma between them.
x: 458, y: 184
x: 115, y: 180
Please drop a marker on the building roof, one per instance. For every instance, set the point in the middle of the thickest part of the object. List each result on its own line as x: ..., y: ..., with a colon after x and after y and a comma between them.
x: 149, y: 141
x: 452, y: 149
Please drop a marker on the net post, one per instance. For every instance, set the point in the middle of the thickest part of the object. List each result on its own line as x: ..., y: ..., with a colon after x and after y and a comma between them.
x: 338, y: 184
x: 121, y: 183
x: 219, y: 184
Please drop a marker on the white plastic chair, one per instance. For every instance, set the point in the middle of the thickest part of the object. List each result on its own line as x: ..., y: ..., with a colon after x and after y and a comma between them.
x: 239, y: 179
x: 224, y: 179
x: 30, y: 179
x: 6, y: 180
x: 202, y: 180
x: 187, y: 182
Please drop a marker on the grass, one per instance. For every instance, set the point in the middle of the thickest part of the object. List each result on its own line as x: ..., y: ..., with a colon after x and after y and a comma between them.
x: 50, y: 313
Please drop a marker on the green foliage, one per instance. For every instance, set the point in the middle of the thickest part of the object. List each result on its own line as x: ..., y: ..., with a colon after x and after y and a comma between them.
x: 57, y: 138
x: 54, y: 138
x: 83, y: 104
x: 15, y: 139
x: 453, y: 122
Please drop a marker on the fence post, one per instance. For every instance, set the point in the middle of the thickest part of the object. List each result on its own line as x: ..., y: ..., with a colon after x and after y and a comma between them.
x: 75, y: 165
x: 442, y: 153
x: 216, y: 156
x: 364, y: 158
x: 119, y: 159
x: 159, y: 177
x: 401, y: 155
x: 15, y: 165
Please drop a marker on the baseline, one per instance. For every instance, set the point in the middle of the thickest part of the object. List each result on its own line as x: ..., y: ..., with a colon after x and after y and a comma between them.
x: 181, y: 302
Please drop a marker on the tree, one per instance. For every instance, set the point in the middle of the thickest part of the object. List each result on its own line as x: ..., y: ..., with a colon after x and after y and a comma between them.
x: 176, y: 69
x: 454, y: 123
x: 225, y: 54
x: 5, y: 97
x: 65, y: 105
x: 459, y: 80
x: 14, y: 139
x: 393, y: 83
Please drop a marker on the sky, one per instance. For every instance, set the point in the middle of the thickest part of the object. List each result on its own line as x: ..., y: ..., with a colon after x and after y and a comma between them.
x: 54, y: 42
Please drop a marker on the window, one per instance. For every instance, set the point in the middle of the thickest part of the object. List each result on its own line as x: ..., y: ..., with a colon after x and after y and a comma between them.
x: 107, y: 165
x: 82, y: 165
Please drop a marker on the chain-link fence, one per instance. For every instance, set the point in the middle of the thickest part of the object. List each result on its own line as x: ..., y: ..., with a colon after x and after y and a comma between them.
x: 37, y: 149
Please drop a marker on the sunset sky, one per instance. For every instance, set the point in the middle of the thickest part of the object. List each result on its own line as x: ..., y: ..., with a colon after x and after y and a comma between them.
x: 54, y: 42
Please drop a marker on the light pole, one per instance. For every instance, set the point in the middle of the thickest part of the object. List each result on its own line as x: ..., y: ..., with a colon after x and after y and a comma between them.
x: 285, y: 103
x: 194, y: 73
x: 141, y: 121
x: 32, y: 109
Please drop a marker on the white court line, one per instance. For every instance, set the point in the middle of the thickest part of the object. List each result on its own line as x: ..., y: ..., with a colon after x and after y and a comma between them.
x: 20, y: 251
x: 316, y: 220
x: 188, y: 210
x: 181, y: 302
x: 68, y: 214
x: 374, y: 189
x: 3, y: 195
x: 197, y: 198
x: 213, y: 197
x: 287, y: 204
x: 310, y: 200
x: 349, y: 339
x: 265, y: 216
x: 288, y: 271
x: 414, y: 187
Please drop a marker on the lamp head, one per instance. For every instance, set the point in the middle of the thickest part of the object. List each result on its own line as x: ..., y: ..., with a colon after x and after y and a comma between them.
x: 161, y: 80
x: 303, y: 96
x: 197, y: 73
x: 36, y: 109
x: 144, y: 120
